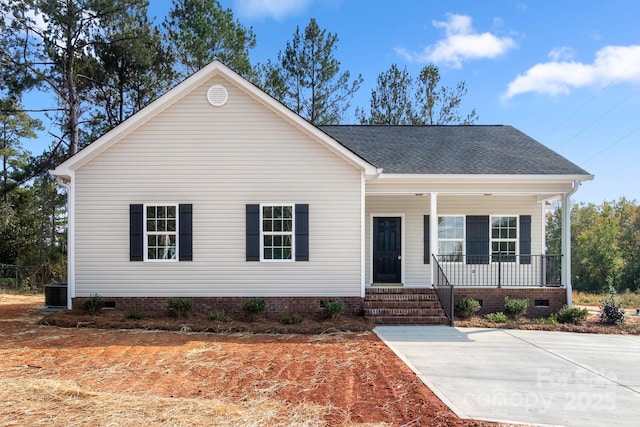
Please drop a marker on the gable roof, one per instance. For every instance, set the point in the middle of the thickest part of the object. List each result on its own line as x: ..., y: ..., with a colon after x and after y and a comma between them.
x: 452, y: 149
x: 214, y: 69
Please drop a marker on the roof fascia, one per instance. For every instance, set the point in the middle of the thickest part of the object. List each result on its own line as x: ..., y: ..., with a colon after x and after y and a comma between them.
x: 185, y: 87
x: 478, y: 178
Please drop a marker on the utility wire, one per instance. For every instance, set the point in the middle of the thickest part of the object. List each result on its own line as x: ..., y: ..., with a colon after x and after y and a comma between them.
x: 603, y: 89
x: 593, y: 122
x: 611, y: 145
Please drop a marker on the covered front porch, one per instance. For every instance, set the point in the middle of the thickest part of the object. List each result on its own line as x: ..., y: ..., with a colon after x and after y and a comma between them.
x: 473, y: 234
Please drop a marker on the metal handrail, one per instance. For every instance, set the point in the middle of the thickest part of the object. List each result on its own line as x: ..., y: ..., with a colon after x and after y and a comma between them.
x: 444, y: 290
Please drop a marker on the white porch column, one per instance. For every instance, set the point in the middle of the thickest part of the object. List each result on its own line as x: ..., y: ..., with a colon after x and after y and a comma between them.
x: 433, y: 232
x: 566, y: 242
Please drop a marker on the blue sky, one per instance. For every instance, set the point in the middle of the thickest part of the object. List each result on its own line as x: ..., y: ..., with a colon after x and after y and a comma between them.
x: 565, y: 72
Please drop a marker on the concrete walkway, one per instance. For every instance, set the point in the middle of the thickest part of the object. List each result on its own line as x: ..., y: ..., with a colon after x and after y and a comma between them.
x: 527, y: 377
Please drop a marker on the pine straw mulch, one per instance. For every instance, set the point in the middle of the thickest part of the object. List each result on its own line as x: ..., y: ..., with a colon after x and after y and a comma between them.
x: 52, y: 376
x: 591, y: 326
x: 200, y: 322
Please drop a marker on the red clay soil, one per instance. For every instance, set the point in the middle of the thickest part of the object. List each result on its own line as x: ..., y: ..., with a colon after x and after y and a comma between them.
x: 353, y: 374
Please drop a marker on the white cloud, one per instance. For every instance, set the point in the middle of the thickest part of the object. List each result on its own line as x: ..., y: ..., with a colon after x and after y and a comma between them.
x: 561, y: 54
x: 462, y: 43
x: 612, y: 64
x: 276, y: 9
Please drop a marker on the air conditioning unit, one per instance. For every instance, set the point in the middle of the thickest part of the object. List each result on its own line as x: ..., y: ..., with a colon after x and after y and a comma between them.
x: 55, y: 295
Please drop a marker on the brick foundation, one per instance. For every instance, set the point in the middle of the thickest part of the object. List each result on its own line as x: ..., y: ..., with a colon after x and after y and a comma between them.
x: 232, y: 306
x: 493, y: 298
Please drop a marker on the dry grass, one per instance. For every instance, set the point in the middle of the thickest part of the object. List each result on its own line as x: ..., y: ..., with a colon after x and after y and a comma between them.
x: 630, y: 300
x: 45, y: 402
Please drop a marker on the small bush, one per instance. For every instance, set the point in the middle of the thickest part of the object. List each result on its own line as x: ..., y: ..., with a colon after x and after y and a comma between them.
x: 611, y: 312
x: 287, y: 319
x: 572, y: 315
x: 514, y: 307
x: 134, y: 314
x: 94, y: 304
x: 179, y: 307
x: 333, y: 309
x: 498, y: 317
x: 466, y: 307
x: 551, y: 320
x: 219, y: 316
x: 254, y: 306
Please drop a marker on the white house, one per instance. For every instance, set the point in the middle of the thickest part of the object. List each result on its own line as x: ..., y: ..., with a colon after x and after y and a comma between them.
x: 219, y: 193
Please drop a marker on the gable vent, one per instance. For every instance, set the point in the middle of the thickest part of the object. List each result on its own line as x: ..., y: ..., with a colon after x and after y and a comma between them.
x: 217, y: 95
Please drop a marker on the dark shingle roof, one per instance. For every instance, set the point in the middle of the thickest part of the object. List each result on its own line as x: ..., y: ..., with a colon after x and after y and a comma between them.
x: 452, y: 150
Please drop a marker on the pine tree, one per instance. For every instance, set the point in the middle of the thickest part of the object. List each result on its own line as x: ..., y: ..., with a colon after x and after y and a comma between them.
x: 15, y: 125
x: 399, y: 99
x: 307, y: 77
x: 132, y: 67
x: 201, y: 31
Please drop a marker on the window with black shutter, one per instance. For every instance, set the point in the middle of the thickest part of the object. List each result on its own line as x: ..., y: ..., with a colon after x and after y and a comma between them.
x: 160, y: 233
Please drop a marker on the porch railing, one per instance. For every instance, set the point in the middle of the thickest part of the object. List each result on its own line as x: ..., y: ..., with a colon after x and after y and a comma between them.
x: 444, y: 290
x: 501, y: 270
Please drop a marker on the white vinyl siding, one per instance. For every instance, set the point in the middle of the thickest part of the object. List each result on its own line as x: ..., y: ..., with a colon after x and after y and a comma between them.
x: 218, y: 159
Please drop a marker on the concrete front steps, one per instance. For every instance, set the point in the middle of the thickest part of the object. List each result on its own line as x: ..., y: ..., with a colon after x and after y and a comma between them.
x: 395, y: 305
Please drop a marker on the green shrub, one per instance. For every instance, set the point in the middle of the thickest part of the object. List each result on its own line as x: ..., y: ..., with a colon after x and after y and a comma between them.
x: 572, y: 315
x: 466, y: 307
x: 179, y: 307
x: 498, y: 317
x: 254, y: 306
x: 219, y: 316
x: 333, y: 309
x: 287, y: 319
x: 611, y: 311
x: 94, y: 304
x: 134, y: 314
x: 551, y: 320
x: 514, y: 307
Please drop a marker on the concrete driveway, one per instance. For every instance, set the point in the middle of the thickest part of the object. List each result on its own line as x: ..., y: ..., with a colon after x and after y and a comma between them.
x: 527, y: 377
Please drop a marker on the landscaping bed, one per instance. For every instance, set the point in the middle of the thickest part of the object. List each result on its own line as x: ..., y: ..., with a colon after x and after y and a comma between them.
x: 591, y: 325
x: 200, y: 322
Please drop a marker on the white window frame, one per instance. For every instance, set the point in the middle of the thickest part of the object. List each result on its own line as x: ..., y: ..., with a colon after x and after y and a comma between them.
x: 463, y: 240
x: 147, y: 233
x: 516, y: 240
x: 292, y: 233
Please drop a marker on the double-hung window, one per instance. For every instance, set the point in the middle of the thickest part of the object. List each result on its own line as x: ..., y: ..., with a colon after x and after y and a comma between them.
x: 451, y: 238
x: 161, y: 232
x: 277, y: 230
x: 504, y: 238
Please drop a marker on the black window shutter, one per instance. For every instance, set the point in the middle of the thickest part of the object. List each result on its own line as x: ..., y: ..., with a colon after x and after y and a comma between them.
x: 477, y: 239
x: 427, y: 241
x: 525, y: 239
x: 253, y: 233
x: 136, y: 233
x: 185, y: 226
x: 302, y: 232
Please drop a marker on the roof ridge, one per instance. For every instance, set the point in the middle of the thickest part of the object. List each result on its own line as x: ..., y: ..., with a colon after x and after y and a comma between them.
x: 413, y: 126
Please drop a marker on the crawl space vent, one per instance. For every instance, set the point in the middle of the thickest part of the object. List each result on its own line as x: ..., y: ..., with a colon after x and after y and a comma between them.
x: 217, y: 95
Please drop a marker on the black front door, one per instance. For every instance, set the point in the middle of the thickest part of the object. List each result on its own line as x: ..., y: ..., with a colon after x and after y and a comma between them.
x: 386, y: 250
